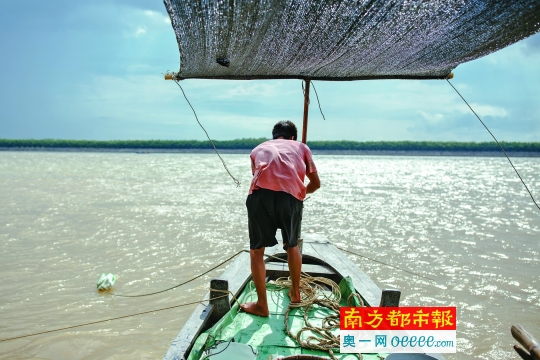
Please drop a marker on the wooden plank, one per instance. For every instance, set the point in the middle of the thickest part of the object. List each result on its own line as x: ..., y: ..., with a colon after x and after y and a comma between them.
x: 522, y: 353
x: 338, y: 261
x: 275, y: 250
x: 317, y: 246
x: 191, y: 330
x: 313, y: 237
x: 311, y: 251
x: 282, y: 269
x: 237, y: 274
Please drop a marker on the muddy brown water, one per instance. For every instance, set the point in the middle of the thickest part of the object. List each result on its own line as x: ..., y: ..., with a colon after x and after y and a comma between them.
x: 156, y: 220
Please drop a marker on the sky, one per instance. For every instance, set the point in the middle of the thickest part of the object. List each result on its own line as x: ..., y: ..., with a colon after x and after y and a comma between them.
x: 93, y: 70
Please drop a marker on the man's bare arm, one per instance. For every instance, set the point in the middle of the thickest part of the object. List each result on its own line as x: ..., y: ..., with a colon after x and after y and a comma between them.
x: 314, y: 182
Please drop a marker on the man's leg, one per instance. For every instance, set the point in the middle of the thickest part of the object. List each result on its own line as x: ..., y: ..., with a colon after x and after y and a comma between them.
x: 294, y: 259
x: 258, y: 272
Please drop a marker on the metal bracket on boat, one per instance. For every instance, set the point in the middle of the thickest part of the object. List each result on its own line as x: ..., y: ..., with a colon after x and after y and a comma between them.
x: 390, y: 297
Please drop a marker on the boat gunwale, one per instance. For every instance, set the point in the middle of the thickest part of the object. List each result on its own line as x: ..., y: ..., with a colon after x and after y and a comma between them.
x: 238, y: 276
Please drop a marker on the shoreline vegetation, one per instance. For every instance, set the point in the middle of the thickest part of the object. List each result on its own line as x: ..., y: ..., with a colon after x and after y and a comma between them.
x: 246, y: 145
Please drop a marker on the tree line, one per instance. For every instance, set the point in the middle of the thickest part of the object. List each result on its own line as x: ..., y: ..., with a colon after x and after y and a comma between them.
x: 251, y: 143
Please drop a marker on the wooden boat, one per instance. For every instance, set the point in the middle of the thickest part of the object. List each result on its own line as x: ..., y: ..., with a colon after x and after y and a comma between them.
x: 334, y: 41
x: 320, y: 258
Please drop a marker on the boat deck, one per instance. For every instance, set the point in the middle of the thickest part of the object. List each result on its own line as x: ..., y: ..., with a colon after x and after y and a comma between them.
x: 319, y: 258
x: 268, y: 335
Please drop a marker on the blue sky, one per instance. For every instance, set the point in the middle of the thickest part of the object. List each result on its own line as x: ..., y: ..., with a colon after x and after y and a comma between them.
x: 93, y: 70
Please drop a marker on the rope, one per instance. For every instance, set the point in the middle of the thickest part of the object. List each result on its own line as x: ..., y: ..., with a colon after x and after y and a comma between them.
x: 185, y: 282
x: 317, y: 96
x: 311, y: 293
x: 493, y: 136
x: 225, y: 292
x: 196, y: 277
x: 115, y: 318
x: 392, y: 266
x: 202, y: 127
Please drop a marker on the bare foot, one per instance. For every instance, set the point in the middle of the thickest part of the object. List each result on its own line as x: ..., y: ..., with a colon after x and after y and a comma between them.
x: 255, y: 309
x: 294, y: 299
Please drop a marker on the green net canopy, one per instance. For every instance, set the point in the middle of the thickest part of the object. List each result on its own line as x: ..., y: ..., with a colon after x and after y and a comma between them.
x: 342, y: 40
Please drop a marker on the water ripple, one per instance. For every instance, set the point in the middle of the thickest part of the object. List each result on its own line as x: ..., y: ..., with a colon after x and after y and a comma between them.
x: 159, y: 219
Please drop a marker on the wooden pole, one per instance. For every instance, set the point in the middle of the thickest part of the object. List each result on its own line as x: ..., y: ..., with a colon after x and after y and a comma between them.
x: 306, y: 108
x: 527, y: 340
x: 521, y: 352
x: 221, y: 305
x: 304, y: 139
x: 390, y: 297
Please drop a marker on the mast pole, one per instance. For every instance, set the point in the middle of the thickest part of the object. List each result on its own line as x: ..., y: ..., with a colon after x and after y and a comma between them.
x: 306, y: 108
x: 304, y: 139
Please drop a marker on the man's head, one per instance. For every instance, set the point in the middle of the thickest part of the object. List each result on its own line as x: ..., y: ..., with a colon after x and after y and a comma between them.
x: 286, y: 129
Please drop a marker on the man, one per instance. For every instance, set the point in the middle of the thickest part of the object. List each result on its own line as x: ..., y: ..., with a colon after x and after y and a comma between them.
x: 275, y: 201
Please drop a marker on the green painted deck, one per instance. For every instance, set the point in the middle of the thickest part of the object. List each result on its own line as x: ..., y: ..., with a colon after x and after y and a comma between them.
x: 268, y: 335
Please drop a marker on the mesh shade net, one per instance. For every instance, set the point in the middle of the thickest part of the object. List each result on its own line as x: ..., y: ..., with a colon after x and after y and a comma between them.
x: 342, y: 40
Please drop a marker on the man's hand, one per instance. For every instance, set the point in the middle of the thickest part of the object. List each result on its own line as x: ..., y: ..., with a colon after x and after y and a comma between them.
x: 314, y: 182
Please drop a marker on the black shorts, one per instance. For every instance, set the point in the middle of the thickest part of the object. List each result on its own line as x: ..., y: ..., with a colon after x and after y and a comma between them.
x: 271, y: 210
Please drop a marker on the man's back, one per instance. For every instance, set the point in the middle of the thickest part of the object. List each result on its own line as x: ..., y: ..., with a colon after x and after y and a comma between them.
x: 281, y: 165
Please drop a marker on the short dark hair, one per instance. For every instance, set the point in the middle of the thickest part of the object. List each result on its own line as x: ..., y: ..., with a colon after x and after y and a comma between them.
x: 285, y: 128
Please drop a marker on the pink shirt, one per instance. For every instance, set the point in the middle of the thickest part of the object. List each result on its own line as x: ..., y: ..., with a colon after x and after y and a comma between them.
x: 281, y: 165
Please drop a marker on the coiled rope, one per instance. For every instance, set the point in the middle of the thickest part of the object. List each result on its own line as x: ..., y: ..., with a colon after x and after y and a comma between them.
x: 312, y: 293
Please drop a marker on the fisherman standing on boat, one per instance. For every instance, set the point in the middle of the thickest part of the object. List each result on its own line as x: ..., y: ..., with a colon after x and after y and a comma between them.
x: 275, y: 201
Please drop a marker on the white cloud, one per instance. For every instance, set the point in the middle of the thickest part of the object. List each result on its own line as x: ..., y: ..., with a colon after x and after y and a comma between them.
x: 141, y: 22
x: 432, y: 118
x: 151, y: 13
x: 517, y: 57
x: 141, y: 30
x: 531, y: 45
x: 253, y: 89
x: 158, y: 17
x: 131, y: 98
x: 488, y: 110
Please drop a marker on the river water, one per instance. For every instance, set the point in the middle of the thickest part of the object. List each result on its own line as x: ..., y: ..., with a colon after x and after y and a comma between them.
x: 156, y: 220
